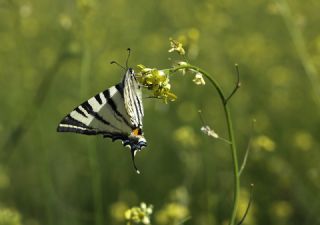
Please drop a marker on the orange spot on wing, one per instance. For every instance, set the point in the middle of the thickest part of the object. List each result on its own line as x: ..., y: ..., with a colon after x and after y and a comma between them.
x: 135, y: 131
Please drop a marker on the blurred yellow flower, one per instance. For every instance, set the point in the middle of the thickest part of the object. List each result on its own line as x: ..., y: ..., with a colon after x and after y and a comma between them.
x: 86, y: 5
x: 65, y: 21
x: 172, y: 213
x: 139, y: 215
x: 117, y: 211
x: 303, y: 140
x: 25, y: 10
x: 9, y: 217
x: 281, y: 210
x: 198, y: 79
x: 176, y: 47
x: 194, y: 34
x: 264, y: 142
x: 180, y: 195
x: 243, y: 204
x: 186, y: 136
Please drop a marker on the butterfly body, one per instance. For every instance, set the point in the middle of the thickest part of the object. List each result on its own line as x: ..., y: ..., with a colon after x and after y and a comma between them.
x: 115, y: 113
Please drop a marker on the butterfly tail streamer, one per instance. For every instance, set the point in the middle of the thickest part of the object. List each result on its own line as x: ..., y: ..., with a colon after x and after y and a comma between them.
x: 133, y: 153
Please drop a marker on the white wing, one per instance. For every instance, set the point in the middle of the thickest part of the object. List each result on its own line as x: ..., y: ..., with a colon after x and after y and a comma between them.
x: 133, y: 99
x: 105, y: 114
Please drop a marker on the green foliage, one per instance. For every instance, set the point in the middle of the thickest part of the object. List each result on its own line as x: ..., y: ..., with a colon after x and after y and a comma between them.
x: 55, y: 54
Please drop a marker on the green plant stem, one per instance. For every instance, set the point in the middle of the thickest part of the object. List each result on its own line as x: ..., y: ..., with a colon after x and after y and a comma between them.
x: 230, y: 132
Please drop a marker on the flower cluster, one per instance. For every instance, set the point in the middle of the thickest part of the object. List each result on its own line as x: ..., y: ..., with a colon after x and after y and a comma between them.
x: 176, y: 46
x: 139, y: 215
x: 157, y: 81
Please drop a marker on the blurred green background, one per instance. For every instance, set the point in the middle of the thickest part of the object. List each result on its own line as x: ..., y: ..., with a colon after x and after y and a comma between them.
x: 56, y: 54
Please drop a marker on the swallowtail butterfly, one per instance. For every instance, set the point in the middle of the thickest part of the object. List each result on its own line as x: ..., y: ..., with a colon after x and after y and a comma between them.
x: 115, y: 113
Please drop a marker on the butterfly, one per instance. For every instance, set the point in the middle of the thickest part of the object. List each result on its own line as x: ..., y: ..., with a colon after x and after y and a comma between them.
x: 115, y: 113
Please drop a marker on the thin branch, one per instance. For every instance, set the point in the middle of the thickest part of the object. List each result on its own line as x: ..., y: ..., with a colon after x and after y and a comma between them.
x: 243, y: 165
x: 248, y: 206
x: 236, y: 87
x: 201, y: 117
x: 233, y: 146
x: 184, y: 220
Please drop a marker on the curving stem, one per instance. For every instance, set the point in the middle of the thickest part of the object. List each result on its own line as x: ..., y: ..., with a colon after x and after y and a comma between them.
x: 233, y: 148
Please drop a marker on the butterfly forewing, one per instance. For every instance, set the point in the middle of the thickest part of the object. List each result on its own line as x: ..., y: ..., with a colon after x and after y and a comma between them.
x: 115, y: 113
x: 104, y: 113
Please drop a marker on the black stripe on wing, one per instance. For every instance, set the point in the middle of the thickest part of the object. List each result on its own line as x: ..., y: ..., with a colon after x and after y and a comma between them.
x: 115, y: 136
x: 78, y: 110
x: 114, y: 107
x: 69, y: 124
x: 88, y: 108
x: 69, y: 120
x: 119, y: 88
x: 98, y: 98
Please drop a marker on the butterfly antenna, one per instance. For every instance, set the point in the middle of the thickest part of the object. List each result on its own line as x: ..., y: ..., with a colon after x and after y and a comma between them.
x: 114, y: 62
x: 134, y: 163
x: 129, y: 51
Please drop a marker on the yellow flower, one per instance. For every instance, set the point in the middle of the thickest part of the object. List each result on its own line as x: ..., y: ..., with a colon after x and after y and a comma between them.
x: 65, y: 21
x: 198, y: 79
x: 139, y: 215
x: 186, y: 136
x: 9, y: 216
x: 264, y: 142
x: 176, y: 46
x: 117, y: 210
x: 282, y: 210
x: 172, y: 213
x: 303, y: 140
x: 156, y: 81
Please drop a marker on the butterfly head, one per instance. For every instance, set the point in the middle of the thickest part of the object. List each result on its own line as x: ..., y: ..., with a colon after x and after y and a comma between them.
x: 131, y: 71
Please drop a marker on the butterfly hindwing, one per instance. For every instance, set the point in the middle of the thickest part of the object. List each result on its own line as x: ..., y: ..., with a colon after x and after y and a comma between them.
x: 133, y: 99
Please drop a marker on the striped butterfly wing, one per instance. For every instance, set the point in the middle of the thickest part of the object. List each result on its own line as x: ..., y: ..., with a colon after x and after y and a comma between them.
x: 133, y: 99
x: 115, y: 113
x: 104, y: 114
